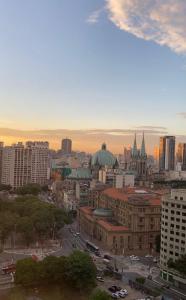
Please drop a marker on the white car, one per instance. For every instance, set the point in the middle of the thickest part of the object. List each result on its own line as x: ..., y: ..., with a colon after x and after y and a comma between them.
x: 148, y: 256
x: 121, y: 294
x: 124, y: 291
x: 134, y: 258
x: 115, y: 296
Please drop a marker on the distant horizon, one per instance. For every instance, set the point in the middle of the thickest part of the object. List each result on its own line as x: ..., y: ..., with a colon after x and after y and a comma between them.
x: 89, y: 140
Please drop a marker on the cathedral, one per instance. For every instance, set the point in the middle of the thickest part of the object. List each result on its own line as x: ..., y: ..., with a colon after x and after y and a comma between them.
x: 138, y: 162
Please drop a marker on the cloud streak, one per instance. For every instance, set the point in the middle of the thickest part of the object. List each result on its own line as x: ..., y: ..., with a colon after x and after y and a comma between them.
x: 182, y: 115
x: 161, y: 21
x: 94, y: 17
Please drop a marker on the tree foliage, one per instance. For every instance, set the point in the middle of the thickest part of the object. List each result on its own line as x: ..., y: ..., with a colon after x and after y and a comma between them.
x: 29, y: 189
x: 77, y: 270
x: 80, y: 269
x: 99, y: 295
x: 33, y: 219
x: 179, y: 265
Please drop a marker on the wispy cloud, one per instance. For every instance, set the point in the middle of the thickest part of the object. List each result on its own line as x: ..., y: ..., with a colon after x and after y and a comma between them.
x: 182, y: 115
x: 94, y: 17
x: 161, y: 21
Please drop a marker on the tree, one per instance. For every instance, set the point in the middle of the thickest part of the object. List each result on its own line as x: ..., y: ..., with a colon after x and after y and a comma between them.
x: 29, y: 189
x: 80, y: 270
x: 29, y: 272
x: 26, y: 227
x: 54, y: 269
x: 5, y: 187
x: 179, y: 265
x: 100, y: 295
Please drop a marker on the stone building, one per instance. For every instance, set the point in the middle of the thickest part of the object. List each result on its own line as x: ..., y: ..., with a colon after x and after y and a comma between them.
x: 126, y: 221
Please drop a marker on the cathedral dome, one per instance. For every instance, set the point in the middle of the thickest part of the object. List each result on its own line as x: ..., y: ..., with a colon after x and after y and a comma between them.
x: 103, y: 158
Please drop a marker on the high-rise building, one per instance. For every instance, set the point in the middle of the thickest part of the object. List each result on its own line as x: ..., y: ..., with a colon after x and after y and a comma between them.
x: 23, y: 165
x: 39, y: 161
x: 179, y: 154
x: 173, y: 235
x: 1, y: 160
x: 167, y: 153
x: 184, y: 158
x: 16, y: 165
x: 66, y: 146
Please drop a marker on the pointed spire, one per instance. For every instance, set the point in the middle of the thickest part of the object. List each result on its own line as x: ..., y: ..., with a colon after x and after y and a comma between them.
x: 134, y: 149
x: 143, y: 151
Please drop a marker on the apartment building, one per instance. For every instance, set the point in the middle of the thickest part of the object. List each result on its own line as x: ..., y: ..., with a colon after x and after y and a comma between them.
x: 173, y: 235
x: 22, y: 165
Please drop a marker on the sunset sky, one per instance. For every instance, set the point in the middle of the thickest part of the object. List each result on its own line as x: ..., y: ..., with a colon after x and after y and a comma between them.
x: 96, y: 71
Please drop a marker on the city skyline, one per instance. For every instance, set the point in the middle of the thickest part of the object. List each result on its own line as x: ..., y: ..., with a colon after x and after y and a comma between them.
x: 116, y: 139
x: 91, y: 66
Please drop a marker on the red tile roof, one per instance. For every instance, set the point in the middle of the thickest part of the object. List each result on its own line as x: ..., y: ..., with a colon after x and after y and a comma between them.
x: 147, y: 196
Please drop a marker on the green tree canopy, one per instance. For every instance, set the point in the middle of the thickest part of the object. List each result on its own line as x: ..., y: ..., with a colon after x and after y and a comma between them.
x: 99, y: 295
x: 29, y: 189
x: 80, y: 270
x: 179, y: 265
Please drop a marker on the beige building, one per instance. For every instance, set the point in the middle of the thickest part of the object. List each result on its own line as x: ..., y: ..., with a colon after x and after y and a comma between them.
x: 22, y: 165
x: 125, y: 221
x: 173, y: 234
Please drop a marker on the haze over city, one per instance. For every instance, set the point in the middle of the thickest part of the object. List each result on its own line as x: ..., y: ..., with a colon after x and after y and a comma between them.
x: 92, y: 71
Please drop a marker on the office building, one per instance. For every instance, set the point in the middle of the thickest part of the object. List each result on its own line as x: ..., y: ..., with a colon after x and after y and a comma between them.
x: 66, y: 146
x: 1, y: 160
x: 167, y: 153
x: 173, y: 235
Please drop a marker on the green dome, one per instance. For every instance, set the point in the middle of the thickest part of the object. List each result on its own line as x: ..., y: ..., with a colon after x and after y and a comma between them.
x: 102, y: 212
x: 103, y: 158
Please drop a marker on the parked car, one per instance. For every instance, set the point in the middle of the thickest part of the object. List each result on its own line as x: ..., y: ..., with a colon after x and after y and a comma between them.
x: 124, y: 291
x: 121, y: 294
x: 114, y: 288
x: 115, y: 296
x: 99, y: 278
x: 107, y: 256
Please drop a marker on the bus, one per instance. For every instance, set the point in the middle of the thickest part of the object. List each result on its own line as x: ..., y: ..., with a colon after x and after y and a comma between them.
x: 92, y: 247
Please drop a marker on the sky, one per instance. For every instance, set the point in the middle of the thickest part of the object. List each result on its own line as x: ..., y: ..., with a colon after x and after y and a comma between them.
x: 96, y: 71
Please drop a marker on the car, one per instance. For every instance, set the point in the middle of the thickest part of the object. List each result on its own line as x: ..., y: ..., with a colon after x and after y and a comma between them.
x: 107, y: 256
x: 115, y: 296
x: 148, y: 256
x: 121, y: 294
x: 114, y: 288
x: 99, y: 278
x: 134, y: 258
x: 77, y: 233
x: 106, y: 261
x: 124, y: 291
x: 155, y: 260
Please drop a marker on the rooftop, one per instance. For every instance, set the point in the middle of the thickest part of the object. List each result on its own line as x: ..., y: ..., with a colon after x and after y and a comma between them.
x: 135, y: 196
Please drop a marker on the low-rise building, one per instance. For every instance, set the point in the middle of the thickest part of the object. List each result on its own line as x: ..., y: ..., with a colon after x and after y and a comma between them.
x: 133, y: 222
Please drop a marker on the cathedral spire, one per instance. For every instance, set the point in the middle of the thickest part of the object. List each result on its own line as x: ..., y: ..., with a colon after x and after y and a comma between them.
x: 143, y: 151
x: 134, y: 149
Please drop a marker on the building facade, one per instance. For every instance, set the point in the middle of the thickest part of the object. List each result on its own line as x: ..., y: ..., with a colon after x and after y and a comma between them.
x: 173, y: 235
x: 133, y: 222
x: 167, y: 153
x: 138, y: 162
x: 66, y: 146
x: 23, y: 165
